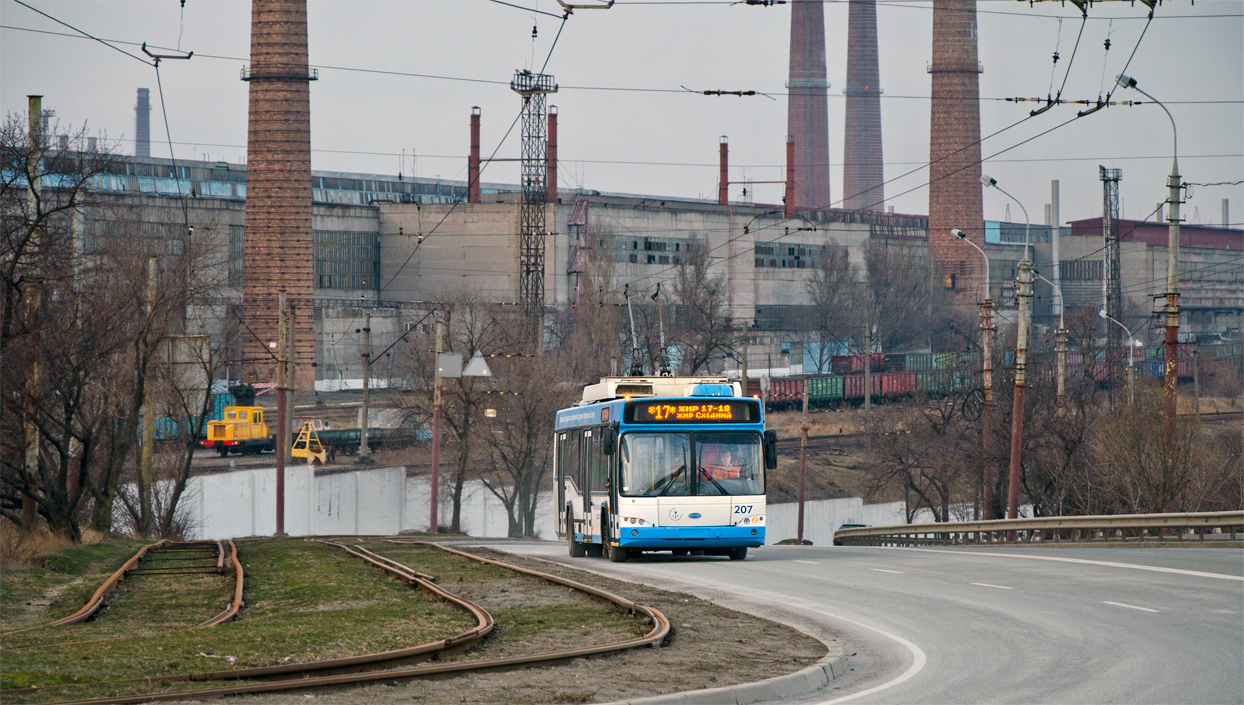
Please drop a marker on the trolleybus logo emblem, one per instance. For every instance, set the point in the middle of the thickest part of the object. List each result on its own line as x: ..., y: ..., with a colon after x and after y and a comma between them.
x: 675, y: 514
x: 693, y: 515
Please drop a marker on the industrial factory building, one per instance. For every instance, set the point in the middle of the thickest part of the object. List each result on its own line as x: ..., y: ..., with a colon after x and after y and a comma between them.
x: 398, y: 246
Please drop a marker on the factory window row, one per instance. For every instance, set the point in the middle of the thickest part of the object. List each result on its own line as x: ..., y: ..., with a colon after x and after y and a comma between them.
x: 1080, y: 270
x: 781, y: 255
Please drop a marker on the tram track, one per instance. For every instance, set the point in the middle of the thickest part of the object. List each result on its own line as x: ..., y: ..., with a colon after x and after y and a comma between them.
x: 389, y: 666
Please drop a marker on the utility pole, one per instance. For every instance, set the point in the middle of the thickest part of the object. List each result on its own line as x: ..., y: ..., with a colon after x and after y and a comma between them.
x: 987, y: 478
x: 1017, y: 414
x: 282, y: 430
x: 868, y: 369
x: 743, y: 358
x: 148, y: 475
x: 1196, y: 384
x: 290, y: 380
x: 436, y: 427
x: 364, y: 448
x: 803, y: 460
x: 1171, y: 372
x: 34, y: 135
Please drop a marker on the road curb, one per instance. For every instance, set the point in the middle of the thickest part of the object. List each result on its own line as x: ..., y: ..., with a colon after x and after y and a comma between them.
x: 802, y: 682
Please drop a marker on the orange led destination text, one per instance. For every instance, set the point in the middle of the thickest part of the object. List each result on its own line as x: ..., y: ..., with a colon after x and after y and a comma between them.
x: 691, y: 412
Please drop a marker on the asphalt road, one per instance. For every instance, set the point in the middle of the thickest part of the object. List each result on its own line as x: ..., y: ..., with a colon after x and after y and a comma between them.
x: 962, y: 625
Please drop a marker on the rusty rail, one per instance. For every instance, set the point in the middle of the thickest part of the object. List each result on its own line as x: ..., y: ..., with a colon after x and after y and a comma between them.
x: 1047, y: 530
x: 239, y: 579
x: 97, y: 600
x: 660, y: 630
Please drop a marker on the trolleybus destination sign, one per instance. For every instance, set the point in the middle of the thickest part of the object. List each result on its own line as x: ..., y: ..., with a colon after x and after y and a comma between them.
x: 698, y: 412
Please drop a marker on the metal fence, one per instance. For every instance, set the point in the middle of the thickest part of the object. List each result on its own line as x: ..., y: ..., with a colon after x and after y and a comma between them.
x: 1189, y: 528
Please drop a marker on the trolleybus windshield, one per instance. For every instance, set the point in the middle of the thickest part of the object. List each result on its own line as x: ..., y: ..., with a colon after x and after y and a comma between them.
x: 661, y: 464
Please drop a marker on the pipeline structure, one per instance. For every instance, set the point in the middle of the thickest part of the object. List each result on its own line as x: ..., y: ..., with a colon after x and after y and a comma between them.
x: 387, y: 666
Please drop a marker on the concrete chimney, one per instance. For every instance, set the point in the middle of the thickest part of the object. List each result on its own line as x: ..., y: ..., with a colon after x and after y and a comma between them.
x: 142, y: 123
x: 954, y: 143
x: 278, y: 188
x: 723, y: 176
x: 552, y: 156
x: 863, y: 174
x: 1226, y: 213
x: 807, y: 104
x: 473, y: 159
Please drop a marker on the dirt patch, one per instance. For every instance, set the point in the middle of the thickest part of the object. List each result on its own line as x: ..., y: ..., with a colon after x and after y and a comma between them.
x: 334, y: 606
x: 709, y: 646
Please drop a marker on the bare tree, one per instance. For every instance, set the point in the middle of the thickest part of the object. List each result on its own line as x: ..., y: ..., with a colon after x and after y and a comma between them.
x: 520, y: 436
x: 926, y: 449
x: 704, y: 331
x: 835, y: 292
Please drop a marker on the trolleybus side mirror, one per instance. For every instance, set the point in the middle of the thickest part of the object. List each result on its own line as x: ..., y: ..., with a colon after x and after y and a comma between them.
x: 609, y: 440
x: 770, y: 450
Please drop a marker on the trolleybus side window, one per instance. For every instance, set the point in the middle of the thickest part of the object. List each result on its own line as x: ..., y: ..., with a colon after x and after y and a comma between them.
x: 597, y: 474
x: 656, y: 464
x: 729, y: 463
x: 570, y: 459
x: 559, y: 467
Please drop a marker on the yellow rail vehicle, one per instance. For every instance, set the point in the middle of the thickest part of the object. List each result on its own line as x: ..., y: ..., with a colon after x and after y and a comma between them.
x: 242, y: 431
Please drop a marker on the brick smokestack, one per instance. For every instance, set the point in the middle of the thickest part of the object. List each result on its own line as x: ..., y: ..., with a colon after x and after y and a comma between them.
x: 473, y: 159
x: 954, y: 144
x: 789, y: 198
x: 723, y: 172
x: 278, y: 187
x: 862, y: 174
x: 552, y: 174
x: 142, y: 123
x: 807, y: 104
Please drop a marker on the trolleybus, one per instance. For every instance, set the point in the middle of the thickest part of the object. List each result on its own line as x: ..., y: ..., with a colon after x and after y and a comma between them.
x: 662, y: 464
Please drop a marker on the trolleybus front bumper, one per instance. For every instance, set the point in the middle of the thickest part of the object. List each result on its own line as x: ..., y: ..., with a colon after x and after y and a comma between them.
x: 691, y: 537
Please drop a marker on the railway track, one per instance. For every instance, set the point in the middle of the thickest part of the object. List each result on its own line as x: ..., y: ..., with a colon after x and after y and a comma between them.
x: 389, y: 666
x: 162, y: 558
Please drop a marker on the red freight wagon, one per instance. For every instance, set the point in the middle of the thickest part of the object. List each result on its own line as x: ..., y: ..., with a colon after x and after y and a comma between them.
x: 898, y: 384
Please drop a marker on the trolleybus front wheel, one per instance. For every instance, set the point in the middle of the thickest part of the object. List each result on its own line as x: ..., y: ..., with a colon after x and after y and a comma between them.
x: 577, y: 550
x: 737, y: 554
x: 616, y: 554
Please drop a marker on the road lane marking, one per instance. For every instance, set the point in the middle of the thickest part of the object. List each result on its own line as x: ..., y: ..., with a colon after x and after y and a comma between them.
x: 808, y: 562
x: 1000, y: 587
x: 1111, y: 564
x: 883, y: 570
x: 1130, y: 607
x: 918, y: 660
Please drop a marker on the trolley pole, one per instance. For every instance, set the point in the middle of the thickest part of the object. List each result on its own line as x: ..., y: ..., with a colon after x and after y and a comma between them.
x: 282, y: 430
x: 364, y: 447
x: 803, y: 459
x: 146, y: 470
x: 436, y: 428
x: 1017, y: 412
x: 986, y: 478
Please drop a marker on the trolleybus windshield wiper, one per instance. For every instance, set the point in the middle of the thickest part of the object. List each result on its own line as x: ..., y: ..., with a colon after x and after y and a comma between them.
x: 669, y: 480
x: 706, y: 476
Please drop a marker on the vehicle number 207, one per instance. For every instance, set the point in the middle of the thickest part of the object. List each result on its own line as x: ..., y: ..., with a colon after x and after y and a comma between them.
x: 742, y: 509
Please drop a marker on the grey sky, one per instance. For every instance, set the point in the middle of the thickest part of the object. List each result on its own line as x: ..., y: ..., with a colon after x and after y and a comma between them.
x: 662, y: 143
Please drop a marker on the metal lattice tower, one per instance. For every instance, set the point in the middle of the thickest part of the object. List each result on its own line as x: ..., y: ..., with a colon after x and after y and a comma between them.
x: 533, y: 87
x: 1112, y: 293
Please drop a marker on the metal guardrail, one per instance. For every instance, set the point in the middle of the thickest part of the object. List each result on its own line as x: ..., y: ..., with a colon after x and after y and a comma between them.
x: 1189, y: 528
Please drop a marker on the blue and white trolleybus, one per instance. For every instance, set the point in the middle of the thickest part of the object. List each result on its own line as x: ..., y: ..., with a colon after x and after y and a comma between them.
x: 662, y: 464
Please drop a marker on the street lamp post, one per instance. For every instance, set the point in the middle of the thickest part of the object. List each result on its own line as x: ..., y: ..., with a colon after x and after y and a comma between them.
x: 1024, y: 280
x: 1131, y: 349
x: 1060, y: 346
x: 1171, y: 373
x: 986, y: 304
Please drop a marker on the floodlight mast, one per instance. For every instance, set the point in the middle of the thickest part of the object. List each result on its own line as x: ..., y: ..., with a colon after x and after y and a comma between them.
x: 986, y: 476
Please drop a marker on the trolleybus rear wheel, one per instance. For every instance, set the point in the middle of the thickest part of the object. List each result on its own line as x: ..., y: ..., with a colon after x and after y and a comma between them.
x: 738, y: 554
x: 577, y: 550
